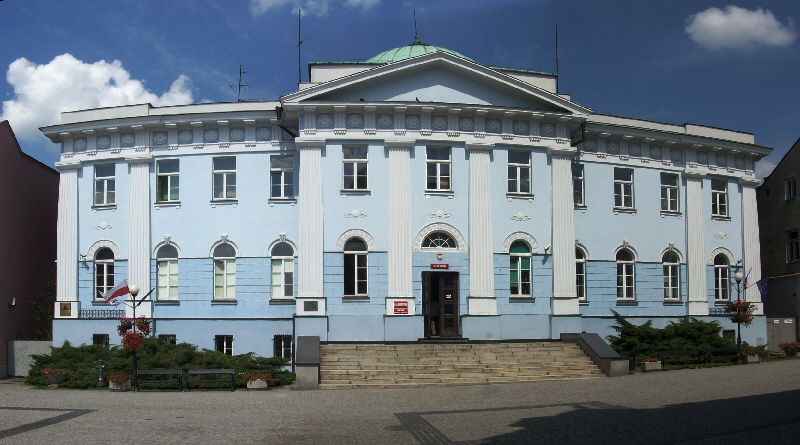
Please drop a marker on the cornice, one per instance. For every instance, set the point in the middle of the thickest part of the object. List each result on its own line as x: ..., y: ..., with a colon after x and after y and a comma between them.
x: 141, y: 159
x: 308, y: 144
x: 72, y: 164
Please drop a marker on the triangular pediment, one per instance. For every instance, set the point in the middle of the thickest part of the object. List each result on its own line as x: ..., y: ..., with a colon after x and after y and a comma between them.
x: 437, y: 78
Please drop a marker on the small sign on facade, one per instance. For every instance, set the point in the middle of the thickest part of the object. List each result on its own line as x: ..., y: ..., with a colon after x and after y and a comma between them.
x: 65, y: 310
x: 440, y: 266
x: 401, y: 307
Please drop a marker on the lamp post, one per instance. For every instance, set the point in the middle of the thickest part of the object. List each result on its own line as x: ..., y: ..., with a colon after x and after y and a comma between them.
x: 134, y: 291
x: 738, y: 277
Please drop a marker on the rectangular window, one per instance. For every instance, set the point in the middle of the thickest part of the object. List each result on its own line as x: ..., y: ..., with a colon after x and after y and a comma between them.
x: 100, y: 339
x: 669, y: 193
x: 438, y: 169
x: 224, y: 344
x: 625, y: 281
x: 719, y: 198
x: 580, y: 276
x: 791, y: 188
x: 671, y: 279
x: 282, y: 278
x: 281, y: 170
x: 578, y: 193
x: 354, y: 168
x: 623, y: 188
x: 169, y: 338
x: 167, y: 279
x: 224, y: 178
x: 104, y: 185
x: 519, y: 172
x: 792, y: 247
x: 283, y: 346
x: 167, y: 182
x: 355, y: 274
x: 520, y: 276
x: 224, y: 279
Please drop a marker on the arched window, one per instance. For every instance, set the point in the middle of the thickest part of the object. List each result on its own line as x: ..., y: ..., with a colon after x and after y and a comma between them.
x: 355, y: 268
x: 103, y: 271
x: 224, y: 272
x: 439, y: 241
x: 580, y: 273
x: 671, y: 264
x: 167, y: 265
x: 721, y: 278
x: 625, y: 275
x: 282, y: 271
x: 520, y: 269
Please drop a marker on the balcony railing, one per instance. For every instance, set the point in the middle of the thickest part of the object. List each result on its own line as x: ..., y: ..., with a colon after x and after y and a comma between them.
x: 101, y: 314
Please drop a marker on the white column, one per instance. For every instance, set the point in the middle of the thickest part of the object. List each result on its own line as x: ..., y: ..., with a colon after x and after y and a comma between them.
x: 750, y: 241
x: 139, y: 228
x: 399, y: 227
x: 481, y: 262
x: 565, y: 293
x: 695, y: 243
x: 310, y: 236
x: 67, y: 233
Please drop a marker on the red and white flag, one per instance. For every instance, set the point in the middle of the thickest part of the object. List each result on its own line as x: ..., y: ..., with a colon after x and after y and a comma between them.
x: 117, y: 291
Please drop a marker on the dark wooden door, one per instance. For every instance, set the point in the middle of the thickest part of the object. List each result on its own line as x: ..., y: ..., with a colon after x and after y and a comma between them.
x: 448, y: 300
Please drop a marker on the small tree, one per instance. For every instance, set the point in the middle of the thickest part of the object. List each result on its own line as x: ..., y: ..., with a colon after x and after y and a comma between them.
x: 43, y: 307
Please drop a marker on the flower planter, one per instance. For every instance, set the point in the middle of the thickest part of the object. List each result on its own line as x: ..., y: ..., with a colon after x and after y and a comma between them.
x: 257, y: 385
x: 120, y: 387
x: 651, y: 366
x: 56, y: 379
x: 752, y: 359
x: 790, y: 351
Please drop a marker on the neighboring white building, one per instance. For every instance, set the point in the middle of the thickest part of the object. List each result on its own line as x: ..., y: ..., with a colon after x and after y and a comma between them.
x: 417, y: 194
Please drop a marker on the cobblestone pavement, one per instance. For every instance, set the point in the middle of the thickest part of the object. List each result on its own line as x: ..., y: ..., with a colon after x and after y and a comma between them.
x: 735, y: 404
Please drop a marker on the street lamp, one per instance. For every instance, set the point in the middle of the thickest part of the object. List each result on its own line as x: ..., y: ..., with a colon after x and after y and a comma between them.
x: 738, y: 277
x: 134, y: 291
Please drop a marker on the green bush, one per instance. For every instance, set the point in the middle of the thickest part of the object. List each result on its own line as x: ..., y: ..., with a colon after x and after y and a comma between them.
x: 155, y: 353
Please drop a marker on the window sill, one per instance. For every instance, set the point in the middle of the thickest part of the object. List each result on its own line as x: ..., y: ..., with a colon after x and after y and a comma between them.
x: 112, y: 207
x: 618, y: 210
x: 525, y: 299
x: 176, y: 204
x: 670, y: 213
x: 355, y: 192
x: 580, y: 207
x: 720, y: 218
x: 291, y: 201
x: 224, y: 302
x: 721, y: 303
x: 448, y: 193
x: 282, y: 301
x: 357, y: 298
x: 101, y: 303
x: 528, y: 196
x: 583, y: 303
x: 673, y: 303
x: 224, y: 202
x: 627, y: 303
x: 167, y: 302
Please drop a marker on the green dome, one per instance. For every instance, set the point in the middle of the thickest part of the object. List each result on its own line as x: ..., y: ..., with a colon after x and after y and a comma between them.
x: 415, y: 49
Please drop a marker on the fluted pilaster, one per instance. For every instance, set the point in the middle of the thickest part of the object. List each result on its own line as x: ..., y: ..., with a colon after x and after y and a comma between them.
x: 399, y: 234
x: 139, y: 227
x: 67, y: 232
x: 481, y: 262
x: 695, y: 243
x: 309, y: 215
x: 750, y: 240
x: 565, y: 293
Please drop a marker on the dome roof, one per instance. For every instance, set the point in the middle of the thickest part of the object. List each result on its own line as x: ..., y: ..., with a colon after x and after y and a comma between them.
x: 416, y: 48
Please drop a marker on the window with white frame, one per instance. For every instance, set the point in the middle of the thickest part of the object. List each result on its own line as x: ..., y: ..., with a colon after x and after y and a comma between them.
x: 721, y: 278
x: 354, y: 168
x: 168, y: 180
x: 282, y: 271
x: 623, y: 188
x: 224, y: 344
x: 224, y: 178
x: 580, y: 273
x: 439, y: 241
x: 224, y: 272
x: 578, y: 187
x: 104, y: 185
x: 671, y: 266
x: 103, y: 271
x: 438, y: 169
x: 167, y: 270
x: 282, y: 345
x: 670, y: 202
x: 520, y: 269
x: 355, y: 268
x: 625, y: 275
x: 791, y: 188
x: 519, y: 172
x: 719, y: 198
x: 792, y: 246
x: 281, y: 172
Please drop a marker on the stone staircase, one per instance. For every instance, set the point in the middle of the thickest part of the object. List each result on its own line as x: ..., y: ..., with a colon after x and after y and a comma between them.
x: 344, y: 366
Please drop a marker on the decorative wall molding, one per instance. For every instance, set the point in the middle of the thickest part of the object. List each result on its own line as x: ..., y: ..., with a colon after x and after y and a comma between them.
x: 724, y: 251
x: 440, y: 227
x: 356, y: 233
x: 355, y: 213
x: 521, y: 236
x: 625, y: 245
x: 103, y: 226
x: 672, y: 248
x: 223, y: 240
x: 720, y: 235
x: 281, y: 239
x: 520, y: 217
x: 100, y: 245
x: 439, y: 214
x: 583, y: 248
x: 167, y: 242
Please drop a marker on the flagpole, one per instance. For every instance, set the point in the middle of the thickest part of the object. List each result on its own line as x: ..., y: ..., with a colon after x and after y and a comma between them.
x: 134, y: 291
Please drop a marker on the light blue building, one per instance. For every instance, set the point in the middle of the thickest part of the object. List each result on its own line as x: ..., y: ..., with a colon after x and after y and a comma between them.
x: 416, y: 195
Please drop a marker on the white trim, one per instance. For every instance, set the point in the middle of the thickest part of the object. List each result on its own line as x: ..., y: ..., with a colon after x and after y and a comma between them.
x: 223, y: 240
x: 356, y: 233
x: 100, y: 245
x: 584, y: 249
x: 167, y: 242
x: 440, y: 227
x: 625, y: 245
x: 724, y: 251
x: 521, y: 236
x: 282, y: 239
x: 672, y: 248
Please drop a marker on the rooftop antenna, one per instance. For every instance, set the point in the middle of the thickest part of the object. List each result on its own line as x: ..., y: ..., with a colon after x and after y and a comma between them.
x: 242, y: 84
x: 416, y: 34
x: 557, y: 58
x: 299, y: 42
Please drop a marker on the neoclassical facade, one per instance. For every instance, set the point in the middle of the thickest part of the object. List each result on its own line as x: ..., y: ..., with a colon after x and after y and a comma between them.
x: 416, y: 195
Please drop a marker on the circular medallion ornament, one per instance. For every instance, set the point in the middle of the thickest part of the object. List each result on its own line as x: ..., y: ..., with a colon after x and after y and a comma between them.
x: 493, y: 125
x: 739, y: 162
x: 655, y: 152
x: 127, y: 140
x: 466, y: 124
x: 160, y: 138
x: 237, y: 134
x: 634, y: 149
x: 521, y: 127
x: 675, y: 154
x: 263, y: 133
x: 412, y: 122
x: 590, y: 145
x: 80, y: 144
x: 324, y: 121
x: 612, y: 147
x: 722, y: 160
x: 702, y: 157
x: 103, y: 141
x: 211, y: 135
x: 354, y: 121
x: 439, y: 122
x: 385, y: 121
x: 185, y: 136
x: 548, y: 129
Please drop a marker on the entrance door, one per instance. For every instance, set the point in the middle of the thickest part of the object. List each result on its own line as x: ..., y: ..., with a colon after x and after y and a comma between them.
x: 440, y: 303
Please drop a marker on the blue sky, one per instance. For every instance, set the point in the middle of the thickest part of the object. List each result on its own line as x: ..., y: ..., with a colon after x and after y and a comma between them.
x: 728, y: 65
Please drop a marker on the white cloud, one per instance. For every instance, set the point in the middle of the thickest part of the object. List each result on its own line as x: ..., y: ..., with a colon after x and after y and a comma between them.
x: 42, y: 92
x: 310, y: 7
x: 763, y: 168
x: 366, y: 4
x: 739, y: 28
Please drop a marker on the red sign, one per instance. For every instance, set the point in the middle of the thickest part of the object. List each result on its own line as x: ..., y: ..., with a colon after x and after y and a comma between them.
x: 440, y: 266
x: 401, y: 307
x: 439, y: 256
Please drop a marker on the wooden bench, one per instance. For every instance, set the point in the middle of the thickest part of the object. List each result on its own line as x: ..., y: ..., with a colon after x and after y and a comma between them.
x: 209, y: 376
x: 719, y: 354
x: 693, y: 358
x: 154, y: 376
